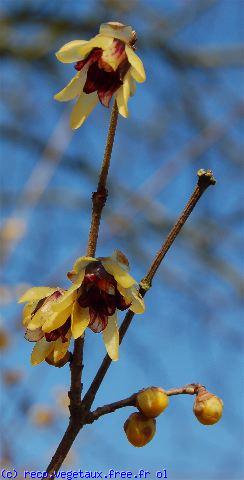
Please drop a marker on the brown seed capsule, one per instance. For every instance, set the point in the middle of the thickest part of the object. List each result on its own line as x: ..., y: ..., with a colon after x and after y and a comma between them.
x: 152, y: 401
x: 139, y: 429
x: 208, y: 408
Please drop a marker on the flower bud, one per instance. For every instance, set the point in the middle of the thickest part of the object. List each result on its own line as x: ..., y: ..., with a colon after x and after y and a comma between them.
x: 208, y: 407
x: 139, y: 429
x: 152, y: 401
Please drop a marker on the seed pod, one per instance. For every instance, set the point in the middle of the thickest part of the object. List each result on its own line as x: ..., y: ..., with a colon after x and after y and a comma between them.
x: 139, y: 429
x: 152, y: 401
x: 208, y: 408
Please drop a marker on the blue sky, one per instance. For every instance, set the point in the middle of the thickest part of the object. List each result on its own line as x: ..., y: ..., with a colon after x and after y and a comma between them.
x: 191, y: 329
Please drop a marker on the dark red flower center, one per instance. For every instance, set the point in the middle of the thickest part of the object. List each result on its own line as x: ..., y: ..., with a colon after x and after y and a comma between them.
x: 101, y: 77
x: 60, y: 332
x: 100, y: 294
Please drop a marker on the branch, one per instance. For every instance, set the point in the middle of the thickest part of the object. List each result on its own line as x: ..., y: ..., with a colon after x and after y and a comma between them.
x: 205, y: 179
x: 191, y: 389
x: 98, y: 201
x: 81, y: 414
x: 100, y: 196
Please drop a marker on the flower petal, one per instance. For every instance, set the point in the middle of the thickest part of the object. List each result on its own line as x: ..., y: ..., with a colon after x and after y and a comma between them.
x: 72, y: 90
x: 132, y: 85
x: 76, y: 278
x: 137, y: 71
x: 122, y: 105
x: 126, y: 294
x: 34, y: 335
x: 65, y: 301
x: 101, y: 41
x: 111, y: 337
x: 83, y: 107
x: 132, y: 295
x: 78, y: 49
x: 73, y: 51
x: 27, y: 311
x: 126, y: 86
x: 60, y: 348
x: 78, y: 272
x: 82, y: 262
x: 80, y: 320
x: 36, y: 293
x: 56, y: 320
x: 115, y: 30
x: 120, y: 275
x: 40, y: 317
x: 120, y: 258
x: 125, y: 91
x: 41, y: 350
x: 137, y: 305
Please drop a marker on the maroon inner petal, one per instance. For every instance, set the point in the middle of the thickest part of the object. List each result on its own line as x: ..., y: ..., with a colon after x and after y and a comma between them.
x: 101, y: 80
x: 105, y: 83
x: 98, y: 322
x: 105, y: 96
x: 59, y: 332
x: 120, y: 302
x: 93, y: 56
x: 99, y: 292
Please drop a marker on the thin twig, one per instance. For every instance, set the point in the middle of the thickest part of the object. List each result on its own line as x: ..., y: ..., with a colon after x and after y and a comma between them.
x: 205, y: 179
x: 191, y: 389
x: 100, y: 196
x: 111, y: 407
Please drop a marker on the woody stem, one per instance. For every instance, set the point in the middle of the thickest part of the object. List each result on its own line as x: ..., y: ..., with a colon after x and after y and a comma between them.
x: 98, y: 201
x: 191, y: 389
x: 100, y: 196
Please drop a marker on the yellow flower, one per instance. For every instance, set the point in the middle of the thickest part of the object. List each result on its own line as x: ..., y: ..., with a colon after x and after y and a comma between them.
x: 101, y: 286
x: 51, y: 346
x: 107, y: 65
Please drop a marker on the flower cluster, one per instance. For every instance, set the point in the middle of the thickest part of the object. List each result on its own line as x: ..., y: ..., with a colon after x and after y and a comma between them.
x: 107, y: 65
x: 100, y: 287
